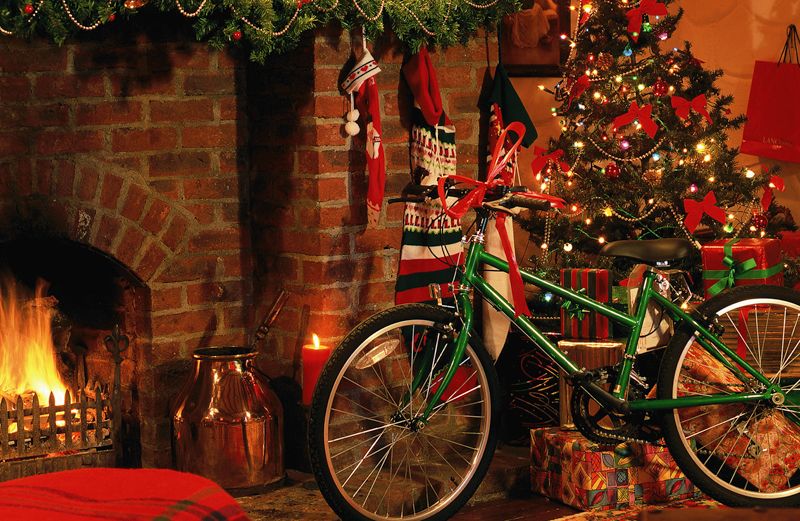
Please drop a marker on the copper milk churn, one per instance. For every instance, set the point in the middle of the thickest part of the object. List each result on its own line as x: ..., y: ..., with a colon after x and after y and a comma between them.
x: 228, y: 423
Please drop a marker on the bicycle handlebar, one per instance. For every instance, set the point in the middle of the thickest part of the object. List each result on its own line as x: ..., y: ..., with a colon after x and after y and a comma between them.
x: 413, y: 193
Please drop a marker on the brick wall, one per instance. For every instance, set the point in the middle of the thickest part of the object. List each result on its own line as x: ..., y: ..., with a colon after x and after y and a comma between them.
x: 215, y: 182
x: 138, y: 150
x: 310, y: 207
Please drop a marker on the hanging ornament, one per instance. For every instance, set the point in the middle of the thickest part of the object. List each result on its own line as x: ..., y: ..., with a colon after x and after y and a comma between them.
x: 605, y: 60
x: 693, y: 188
x: 760, y: 221
x: 112, y: 17
x: 301, y: 3
x: 236, y: 35
x: 628, y: 50
x: 28, y: 9
x: 135, y: 4
x: 624, y: 144
x: 660, y: 87
x: 612, y: 171
x: 364, y: 69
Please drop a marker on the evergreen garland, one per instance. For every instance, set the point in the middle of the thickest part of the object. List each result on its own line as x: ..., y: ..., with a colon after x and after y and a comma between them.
x: 266, y: 26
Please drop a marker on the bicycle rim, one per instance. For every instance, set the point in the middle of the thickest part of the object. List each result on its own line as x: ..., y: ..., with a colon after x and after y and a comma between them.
x: 750, y: 449
x: 385, y: 465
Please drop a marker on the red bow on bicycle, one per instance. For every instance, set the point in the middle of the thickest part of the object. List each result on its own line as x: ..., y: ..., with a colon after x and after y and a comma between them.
x: 497, y: 176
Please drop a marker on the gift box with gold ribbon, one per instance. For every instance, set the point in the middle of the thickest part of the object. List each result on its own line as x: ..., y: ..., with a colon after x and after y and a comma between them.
x: 741, y: 262
x: 567, y: 467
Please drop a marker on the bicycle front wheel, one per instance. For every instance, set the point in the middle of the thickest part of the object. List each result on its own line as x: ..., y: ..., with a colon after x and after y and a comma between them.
x: 372, y: 456
x: 742, y: 454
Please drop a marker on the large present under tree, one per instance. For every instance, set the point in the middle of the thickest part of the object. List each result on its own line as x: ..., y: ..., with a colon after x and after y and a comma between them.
x: 741, y: 262
x: 567, y: 467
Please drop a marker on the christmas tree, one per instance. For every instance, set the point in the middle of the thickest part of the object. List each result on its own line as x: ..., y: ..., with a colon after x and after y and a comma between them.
x: 643, y: 150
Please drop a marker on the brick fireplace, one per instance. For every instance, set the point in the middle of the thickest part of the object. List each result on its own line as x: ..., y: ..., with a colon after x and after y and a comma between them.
x: 210, y: 183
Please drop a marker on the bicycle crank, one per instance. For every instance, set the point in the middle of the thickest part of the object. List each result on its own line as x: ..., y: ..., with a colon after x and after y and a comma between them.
x: 604, y: 426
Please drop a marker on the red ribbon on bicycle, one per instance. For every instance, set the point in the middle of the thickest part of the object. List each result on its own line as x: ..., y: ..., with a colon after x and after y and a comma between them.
x: 497, y: 176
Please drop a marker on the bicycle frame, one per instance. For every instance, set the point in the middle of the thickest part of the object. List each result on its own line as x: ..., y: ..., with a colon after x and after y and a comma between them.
x: 471, y: 278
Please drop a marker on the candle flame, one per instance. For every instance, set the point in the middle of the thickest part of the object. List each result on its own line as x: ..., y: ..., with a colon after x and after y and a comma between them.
x: 315, y: 339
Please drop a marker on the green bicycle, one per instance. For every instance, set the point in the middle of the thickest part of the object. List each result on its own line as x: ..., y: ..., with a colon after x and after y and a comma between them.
x: 403, y: 419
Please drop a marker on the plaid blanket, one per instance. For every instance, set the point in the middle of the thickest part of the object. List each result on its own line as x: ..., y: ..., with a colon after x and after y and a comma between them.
x: 117, y: 494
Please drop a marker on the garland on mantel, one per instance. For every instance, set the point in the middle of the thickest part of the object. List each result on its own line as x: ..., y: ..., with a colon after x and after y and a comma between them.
x: 270, y: 26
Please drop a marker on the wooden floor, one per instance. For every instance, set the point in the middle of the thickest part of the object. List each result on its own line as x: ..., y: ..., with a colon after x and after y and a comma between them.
x: 300, y: 499
x: 533, y: 508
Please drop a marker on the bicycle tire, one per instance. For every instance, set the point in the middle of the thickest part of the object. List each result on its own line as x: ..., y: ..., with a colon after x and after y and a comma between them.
x: 331, y: 423
x: 735, y: 460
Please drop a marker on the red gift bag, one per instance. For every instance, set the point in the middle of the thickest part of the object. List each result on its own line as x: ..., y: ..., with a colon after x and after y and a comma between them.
x: 773, y: 108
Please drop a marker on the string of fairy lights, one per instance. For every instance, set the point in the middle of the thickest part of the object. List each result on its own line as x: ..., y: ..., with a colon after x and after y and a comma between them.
x: 703, y: 150
x: 33, y: 11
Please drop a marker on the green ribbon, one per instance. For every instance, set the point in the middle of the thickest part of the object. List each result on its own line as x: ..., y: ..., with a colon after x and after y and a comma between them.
x: 736, y: 270
x: 573, y: 309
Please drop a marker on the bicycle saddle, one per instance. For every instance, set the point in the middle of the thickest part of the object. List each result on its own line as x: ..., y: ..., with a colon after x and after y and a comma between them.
x: 658, y: 252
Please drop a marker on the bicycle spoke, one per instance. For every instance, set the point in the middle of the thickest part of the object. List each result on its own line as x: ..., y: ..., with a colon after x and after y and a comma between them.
x: 364, y: 388
x: 446, y: 460
x: 744, y: 341
x: 368, y: 430
x: 382, y: 465
x: 348, y: 449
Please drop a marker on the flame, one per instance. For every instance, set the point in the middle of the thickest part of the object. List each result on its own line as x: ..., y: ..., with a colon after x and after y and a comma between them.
x: 27, y: 353
x: 315, y: 339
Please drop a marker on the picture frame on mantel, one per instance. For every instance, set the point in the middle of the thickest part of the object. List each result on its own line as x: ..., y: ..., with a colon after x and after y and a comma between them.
x: 530, y: 40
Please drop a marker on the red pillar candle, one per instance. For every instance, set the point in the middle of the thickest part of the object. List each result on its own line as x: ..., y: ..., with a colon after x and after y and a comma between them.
x: 314, y: 358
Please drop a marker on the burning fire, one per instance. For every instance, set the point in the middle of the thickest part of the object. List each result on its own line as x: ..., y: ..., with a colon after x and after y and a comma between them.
x: 27, y: 353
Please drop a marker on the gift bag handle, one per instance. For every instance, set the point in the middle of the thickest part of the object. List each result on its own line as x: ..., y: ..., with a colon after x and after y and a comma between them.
x: 791, y: 46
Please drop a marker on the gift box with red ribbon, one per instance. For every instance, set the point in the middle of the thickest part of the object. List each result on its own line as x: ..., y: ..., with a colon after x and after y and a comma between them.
x: 741, y: 262
x: 567, y: 467
x: 577, y: 322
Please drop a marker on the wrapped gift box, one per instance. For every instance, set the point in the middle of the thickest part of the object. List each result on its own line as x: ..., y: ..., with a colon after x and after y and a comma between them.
x: 741, y: 262
x: 567, y: 467
x: 580, y: 323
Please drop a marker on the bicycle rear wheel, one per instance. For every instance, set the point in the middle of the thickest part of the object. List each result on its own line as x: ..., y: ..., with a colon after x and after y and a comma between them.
x: 742, y: 454
x: 372, y: 456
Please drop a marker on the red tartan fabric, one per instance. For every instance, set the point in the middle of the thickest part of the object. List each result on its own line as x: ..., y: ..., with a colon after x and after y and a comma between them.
x: 117, y: 494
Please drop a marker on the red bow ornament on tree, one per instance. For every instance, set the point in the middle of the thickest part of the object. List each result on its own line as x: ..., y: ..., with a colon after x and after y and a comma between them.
x: 497, y: 176
x: 696, y: 209
x: 578, y: 88
x: 682, y: 106
x: 775, y: 183
x: 542, y: 158
x: 646, y: 7
x: 643, y: 115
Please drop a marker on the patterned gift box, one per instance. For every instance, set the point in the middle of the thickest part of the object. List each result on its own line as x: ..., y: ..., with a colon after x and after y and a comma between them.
x: 741, y: 262
x: 567, y: 467
x: 580, y: 323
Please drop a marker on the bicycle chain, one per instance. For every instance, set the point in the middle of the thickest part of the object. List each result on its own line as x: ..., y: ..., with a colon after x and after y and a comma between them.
x: 597, y: 435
